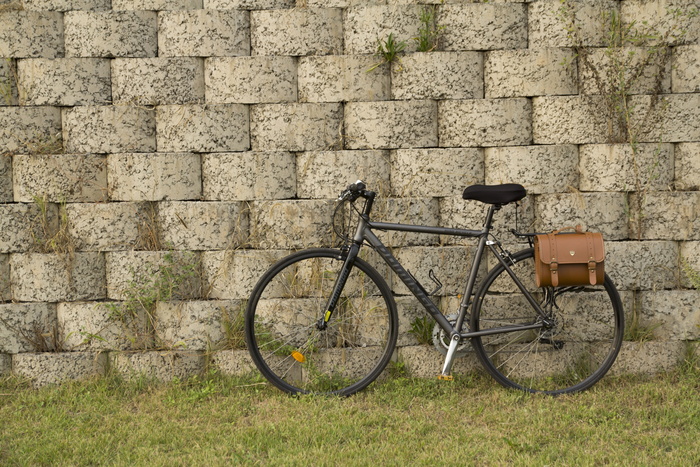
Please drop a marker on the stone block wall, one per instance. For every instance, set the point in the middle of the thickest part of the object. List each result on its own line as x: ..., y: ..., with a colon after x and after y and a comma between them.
x: 179, y: 147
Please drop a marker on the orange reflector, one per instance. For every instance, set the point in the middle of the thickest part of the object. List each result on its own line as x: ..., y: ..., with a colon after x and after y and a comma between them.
x: 298, y: 357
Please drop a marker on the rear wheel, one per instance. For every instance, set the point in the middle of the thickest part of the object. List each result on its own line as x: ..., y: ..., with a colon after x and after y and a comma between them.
x: 288, y: 346
x: 571, y: 354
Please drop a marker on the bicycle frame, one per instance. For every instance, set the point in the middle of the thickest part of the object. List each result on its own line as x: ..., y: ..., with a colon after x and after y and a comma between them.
x: 365, y: 232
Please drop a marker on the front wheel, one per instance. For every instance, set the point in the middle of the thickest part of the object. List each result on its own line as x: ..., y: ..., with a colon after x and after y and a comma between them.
x: 296, y: 354
x: 576, y: 348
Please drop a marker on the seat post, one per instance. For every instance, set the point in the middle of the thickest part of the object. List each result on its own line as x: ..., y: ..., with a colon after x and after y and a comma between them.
x: 488, y: 223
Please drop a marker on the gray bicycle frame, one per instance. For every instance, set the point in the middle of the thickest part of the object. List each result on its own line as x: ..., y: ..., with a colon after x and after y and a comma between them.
x: 364, y: 233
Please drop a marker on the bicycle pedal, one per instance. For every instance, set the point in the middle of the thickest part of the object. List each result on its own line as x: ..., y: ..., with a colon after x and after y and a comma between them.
x: 445, y: 377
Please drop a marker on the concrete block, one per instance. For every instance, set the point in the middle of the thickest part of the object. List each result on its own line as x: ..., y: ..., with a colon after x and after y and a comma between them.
x: 423, y: 361
x: 690, y: 262
x: 345, y: 3
x: 649, y: 265
x: 296, y: 127
x: 154, y: 177
x: 251, y: 80
x: 598, y: 212
x: 162, y: 365
x: 111, y: 33
x: 153, y: 81
x: 674, y: 118
x: 668, y: 215
x: 687, y: 166
x: 107, y: 129
x: 468, y: 214
x: 5, y: 364
x: 37, y: 34
x: 202, y: 128
x: 420, y: 211
x: 449, y: 263
x: 232, y: 274
x: 540, y: 169
x: 91, y: 326
x: 248, y: 176
x: 25, y: 227
x: 367, y: 25
x: 342, y: 78
x: 551, y: 23
x: 297, y: 31
x: 6, y: 177
x: 203, y: 33
x: 195, y: 325
x: 65, y: 81
x: 157, y: 5
x: 39, y: 277
x: 233, y: 362
x: 686, y: 69
x: 30, y: 129
x: 196, y: 226
x: 391, y: 124
x: 438, y: 75
x: 324, y: 174
x: 9, y: 94
x: 647, y: 358
x: 485, y: 122
x: 5, y: 286
x: 672, y: 314
x: 60, y: 178
x: 662, y: 16
x: 645, y: 71
x: 105, y: 226
x: 249, y: 4
x: 291, y: 224
x: 44, y: 369
x: 435, y: 172
x: 530, y: 72
x: 134, y: 273
x: 611, y: 167
x: 24, y: 325
x: 483, y: 26
x: 66, y: 5
x: 570, y: 120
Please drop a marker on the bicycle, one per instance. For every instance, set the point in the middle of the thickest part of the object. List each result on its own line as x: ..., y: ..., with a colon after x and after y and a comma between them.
x: 324, y: 320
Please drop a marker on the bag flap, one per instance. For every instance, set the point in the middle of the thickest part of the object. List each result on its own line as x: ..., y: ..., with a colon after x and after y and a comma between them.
x: 570, y: 248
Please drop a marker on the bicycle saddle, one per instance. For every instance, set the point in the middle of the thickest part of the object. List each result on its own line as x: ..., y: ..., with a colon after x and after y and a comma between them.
x: 495, y: 194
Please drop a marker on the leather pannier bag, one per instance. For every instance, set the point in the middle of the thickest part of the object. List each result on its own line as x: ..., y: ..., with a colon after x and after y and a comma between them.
x: 569, y: 258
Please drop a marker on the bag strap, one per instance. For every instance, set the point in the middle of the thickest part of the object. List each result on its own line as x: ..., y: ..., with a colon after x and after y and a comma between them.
x: 554, y: 264
x: 577, y: 229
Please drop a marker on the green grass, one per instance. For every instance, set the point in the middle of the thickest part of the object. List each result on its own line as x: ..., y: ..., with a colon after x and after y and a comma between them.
x: 216, y: 420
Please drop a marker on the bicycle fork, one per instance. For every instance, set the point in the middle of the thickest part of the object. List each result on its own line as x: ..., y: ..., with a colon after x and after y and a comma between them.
x: 353, y: 251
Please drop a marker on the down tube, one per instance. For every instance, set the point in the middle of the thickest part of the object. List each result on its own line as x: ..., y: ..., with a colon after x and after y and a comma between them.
x: 409, y: 281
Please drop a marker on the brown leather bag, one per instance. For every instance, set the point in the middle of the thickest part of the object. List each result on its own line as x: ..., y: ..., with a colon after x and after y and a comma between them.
x: 573, y: 258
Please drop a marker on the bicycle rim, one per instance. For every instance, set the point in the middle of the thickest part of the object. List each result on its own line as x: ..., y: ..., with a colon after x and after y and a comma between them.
x: 282, y: 333
x: 569, y: 356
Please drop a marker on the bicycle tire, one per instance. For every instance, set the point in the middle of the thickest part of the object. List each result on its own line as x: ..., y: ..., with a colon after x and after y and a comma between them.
x: 570, y: 356
x: 281, y: 325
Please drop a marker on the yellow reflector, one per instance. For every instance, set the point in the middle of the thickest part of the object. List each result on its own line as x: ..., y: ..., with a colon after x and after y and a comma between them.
x: 298, y: 357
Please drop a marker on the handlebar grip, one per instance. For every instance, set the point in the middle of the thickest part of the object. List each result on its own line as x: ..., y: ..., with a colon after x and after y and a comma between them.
x: 357, y: 186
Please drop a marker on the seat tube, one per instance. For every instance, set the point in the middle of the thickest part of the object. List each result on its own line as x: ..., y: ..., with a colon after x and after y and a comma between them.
x: 478, y: 256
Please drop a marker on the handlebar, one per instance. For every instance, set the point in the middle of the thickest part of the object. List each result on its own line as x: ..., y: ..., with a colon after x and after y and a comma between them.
x: 355, y: 191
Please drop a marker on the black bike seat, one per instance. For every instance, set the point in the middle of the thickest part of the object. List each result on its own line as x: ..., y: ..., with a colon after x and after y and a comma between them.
x: 495, y: 194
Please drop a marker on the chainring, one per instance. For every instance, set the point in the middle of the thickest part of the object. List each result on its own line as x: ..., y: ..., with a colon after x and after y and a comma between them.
x: 441, y: 340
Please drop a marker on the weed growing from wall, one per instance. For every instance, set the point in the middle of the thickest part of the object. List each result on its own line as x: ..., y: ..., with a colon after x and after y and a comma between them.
x: 388, y: 51
x: 635, y: 60
x: 138, y: 310
x: 422, y: 329
x: 429, y: 33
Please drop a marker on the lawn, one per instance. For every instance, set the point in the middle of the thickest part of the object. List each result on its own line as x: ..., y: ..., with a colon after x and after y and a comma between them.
x: 217, y: 420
